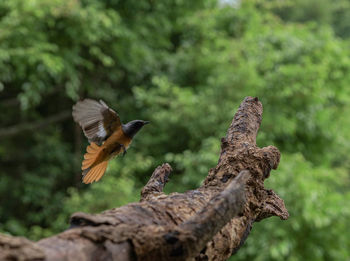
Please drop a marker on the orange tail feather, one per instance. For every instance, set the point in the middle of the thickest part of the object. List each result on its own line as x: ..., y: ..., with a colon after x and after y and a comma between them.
x: 95, y: 173
x: 90, y: 156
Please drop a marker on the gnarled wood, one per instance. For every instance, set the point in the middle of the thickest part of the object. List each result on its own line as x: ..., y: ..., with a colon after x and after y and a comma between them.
x: 209, y: 223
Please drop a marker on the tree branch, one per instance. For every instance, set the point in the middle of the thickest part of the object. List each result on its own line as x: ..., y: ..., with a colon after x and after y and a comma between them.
x: 157, y: 182
x: 14, y: 130
x: 220, y: 210
x: 211, y: 222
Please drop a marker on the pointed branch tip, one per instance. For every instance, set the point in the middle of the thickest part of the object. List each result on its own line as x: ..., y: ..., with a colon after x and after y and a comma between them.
x: 156, y: 183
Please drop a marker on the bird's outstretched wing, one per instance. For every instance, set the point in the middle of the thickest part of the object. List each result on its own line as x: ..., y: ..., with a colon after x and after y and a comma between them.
x: 96, y: 119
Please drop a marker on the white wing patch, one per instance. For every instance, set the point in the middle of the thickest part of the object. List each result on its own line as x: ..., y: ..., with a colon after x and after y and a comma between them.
x: 88, y: 113
x: 101, y: 130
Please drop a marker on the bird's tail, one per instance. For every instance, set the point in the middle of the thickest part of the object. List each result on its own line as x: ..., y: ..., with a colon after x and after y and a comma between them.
x: 94, y: 173
x: 91, y: 155
x: 93, y: 167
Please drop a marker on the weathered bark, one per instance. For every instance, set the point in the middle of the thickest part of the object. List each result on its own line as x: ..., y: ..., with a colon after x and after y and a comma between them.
x: 209, y: 223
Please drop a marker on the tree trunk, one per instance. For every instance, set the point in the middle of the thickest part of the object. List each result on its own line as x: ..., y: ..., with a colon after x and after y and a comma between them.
x: 209, y: 223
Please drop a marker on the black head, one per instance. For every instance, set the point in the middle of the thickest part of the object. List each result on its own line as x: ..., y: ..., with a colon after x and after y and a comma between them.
x: 132, y: 127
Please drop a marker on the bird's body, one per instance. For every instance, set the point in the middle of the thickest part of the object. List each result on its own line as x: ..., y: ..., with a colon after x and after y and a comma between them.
x: 108, y: 137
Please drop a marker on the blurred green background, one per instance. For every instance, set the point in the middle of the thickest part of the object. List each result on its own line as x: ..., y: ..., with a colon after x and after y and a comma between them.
x: 185, y: 66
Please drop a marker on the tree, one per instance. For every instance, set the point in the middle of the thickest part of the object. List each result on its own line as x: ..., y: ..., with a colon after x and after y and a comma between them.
x: 183, y: 65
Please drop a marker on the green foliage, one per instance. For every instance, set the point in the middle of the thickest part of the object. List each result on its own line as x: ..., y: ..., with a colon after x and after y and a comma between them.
x: 318, y: 220
x: 185, y: 66
x: 322, y: 12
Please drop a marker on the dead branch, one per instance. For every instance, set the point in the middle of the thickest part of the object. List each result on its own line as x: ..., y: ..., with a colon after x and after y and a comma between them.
x: 209, y: 223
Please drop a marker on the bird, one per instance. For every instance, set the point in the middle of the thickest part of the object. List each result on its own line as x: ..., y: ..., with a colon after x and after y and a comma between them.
x: 107, y: 135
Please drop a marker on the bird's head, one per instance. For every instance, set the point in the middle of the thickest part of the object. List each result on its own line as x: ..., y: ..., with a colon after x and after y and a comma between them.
x: 132, y: 127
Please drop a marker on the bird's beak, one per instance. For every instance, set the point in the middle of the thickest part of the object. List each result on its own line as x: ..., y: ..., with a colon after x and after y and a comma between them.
x: 146, y: 122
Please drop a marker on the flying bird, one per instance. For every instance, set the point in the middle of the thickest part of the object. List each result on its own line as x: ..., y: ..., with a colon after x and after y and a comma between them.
x: 107, y: 135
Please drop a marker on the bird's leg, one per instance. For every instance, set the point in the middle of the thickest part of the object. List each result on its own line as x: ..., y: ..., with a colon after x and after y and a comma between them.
x: 124, y: 149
